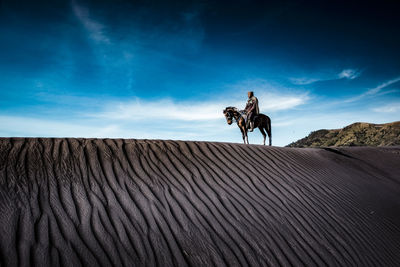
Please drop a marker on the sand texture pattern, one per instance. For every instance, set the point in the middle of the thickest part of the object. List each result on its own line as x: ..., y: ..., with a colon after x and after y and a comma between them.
x: 115, y: 202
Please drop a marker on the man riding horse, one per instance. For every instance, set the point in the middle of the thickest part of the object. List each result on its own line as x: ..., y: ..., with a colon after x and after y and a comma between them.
x: 251, y: 117
x: 251, y: 110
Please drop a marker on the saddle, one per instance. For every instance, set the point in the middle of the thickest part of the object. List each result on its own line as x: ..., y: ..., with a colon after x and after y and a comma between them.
x: 243, y: 114
x: 245, y: 117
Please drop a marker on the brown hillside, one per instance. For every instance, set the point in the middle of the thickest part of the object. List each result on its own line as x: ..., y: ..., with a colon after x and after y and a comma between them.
x: 356, y: 134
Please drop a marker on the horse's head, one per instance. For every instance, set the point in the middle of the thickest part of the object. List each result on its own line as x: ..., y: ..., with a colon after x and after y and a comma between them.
x: 229, y: 114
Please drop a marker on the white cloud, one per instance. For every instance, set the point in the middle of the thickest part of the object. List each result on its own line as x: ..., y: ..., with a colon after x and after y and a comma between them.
x: 271, y: 97
x: 11, y: 126
x: 167, y: 109
x: 273, y: 102
x: 349, y: 74
x: 26, y: 126
x: 390, y: 108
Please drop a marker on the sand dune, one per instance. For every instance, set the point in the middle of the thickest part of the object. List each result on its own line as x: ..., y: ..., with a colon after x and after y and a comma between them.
x: 96, y: 202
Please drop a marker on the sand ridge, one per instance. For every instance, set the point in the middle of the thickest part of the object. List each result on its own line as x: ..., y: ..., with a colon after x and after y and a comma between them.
x: 124, y: 202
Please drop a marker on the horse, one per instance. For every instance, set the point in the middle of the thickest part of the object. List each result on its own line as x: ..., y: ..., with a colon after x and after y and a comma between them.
x: 261, y: 122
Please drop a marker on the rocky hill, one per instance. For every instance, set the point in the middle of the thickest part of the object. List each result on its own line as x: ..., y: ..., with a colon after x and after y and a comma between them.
x: 356, y: 134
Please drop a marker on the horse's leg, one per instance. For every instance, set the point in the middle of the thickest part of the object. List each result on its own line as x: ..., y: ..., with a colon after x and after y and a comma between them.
x: 263, y: 133
x: 243, y: 136
x: 243, y: 128
x: 269, y: 132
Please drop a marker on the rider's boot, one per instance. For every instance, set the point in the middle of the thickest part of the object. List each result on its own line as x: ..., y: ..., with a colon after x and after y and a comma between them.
x: 251, y: 126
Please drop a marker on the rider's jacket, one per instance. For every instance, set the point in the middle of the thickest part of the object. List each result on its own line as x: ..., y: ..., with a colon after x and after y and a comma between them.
x: 252, y: 105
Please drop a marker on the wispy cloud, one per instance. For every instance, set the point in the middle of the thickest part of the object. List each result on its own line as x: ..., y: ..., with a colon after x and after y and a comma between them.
x: 350, y: 74
x: 304, y: 80
x: 168, y: 109
x: 377, y: 89
x: 390, y: 108
x: 273, y: 102
x: 374, y: 91
x: 26, y: 126
x: 273, y: 98
x: 95, y: 29
x: 161, y: 109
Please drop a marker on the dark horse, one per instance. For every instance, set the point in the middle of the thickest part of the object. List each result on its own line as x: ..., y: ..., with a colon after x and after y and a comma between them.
x: 261, y: 122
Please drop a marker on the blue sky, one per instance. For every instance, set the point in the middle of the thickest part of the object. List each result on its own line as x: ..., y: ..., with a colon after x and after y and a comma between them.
x: 166, y: 69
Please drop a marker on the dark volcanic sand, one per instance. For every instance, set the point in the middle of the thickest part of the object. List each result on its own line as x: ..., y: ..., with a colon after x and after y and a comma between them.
x: 96, y: 202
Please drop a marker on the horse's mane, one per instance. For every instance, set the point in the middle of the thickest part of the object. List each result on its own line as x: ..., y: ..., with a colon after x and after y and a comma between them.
x: 230, y: 108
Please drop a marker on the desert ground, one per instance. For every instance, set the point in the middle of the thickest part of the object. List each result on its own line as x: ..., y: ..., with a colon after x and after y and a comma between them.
x: 126, y: 202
